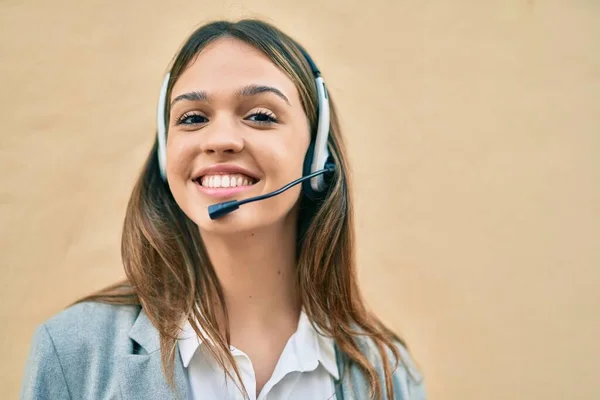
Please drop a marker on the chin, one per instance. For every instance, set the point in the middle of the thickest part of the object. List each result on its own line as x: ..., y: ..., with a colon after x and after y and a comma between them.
x: 235, y: 223
x: 245, y: 218
x: 249, y: 218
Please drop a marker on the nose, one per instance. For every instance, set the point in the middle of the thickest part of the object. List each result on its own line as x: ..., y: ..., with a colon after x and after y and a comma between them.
x: 222, y: 138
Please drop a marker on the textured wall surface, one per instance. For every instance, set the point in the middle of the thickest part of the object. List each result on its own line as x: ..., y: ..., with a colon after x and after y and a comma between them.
x: 473, y: 130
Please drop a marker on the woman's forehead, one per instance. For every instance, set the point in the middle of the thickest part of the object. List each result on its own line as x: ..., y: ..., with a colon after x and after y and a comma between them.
x: 229, y: 64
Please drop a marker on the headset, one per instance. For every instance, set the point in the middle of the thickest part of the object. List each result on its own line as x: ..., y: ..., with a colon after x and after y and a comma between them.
x: 318, y: 164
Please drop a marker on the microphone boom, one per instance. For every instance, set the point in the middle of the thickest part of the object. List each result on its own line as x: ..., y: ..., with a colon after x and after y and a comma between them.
x: 218, y: 210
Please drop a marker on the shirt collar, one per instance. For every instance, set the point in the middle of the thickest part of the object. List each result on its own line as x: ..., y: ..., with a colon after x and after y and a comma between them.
x: 315, y: 345
x: 318, y: 346
x: 188, y: 342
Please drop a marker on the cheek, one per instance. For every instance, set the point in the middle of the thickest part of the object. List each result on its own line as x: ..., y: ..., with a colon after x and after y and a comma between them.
x: 179, y: 156
x: 288, y: 151
x: 283, y: 163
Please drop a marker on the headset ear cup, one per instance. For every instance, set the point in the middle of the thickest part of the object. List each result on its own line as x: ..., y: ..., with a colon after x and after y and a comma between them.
x: 307, y: 189
x: 328, y: 177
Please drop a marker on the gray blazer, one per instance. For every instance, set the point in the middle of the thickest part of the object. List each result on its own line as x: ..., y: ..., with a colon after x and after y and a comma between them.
x: 99, y: 351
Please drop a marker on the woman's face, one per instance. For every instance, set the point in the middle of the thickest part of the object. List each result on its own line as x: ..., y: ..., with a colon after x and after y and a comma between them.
x: 237, y: 129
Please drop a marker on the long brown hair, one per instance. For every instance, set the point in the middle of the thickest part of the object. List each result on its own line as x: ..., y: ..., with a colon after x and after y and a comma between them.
x: 170, y: 275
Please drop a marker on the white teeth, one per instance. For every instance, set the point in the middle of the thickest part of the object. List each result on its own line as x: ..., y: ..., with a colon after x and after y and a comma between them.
x: 226, y: 181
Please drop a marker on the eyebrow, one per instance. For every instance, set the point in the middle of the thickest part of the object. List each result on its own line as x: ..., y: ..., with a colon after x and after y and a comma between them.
x: 246, y: 91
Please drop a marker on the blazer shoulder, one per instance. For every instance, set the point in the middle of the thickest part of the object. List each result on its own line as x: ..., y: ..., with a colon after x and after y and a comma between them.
x: 89, y: 322
x: 408, y: 380
x: 408, y: 375
x: 90, y: 316
x: 74, y: 350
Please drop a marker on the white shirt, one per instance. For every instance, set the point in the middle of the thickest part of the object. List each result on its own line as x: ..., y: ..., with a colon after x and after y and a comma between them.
x: 305, y: 369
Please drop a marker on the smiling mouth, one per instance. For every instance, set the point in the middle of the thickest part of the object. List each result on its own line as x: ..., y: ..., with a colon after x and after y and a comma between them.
x: 225, y: 181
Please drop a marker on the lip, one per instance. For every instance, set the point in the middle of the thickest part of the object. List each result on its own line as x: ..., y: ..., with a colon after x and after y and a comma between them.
x: 223, y: 193
x: 218, y: 169
x: 222, y: 169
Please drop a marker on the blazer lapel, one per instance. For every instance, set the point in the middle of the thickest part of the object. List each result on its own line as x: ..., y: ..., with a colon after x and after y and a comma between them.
x: 141, y: 375
x: 344, y: 389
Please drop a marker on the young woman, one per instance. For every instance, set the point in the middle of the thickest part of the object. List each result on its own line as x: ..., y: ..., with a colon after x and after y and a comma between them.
x: 257, y: 300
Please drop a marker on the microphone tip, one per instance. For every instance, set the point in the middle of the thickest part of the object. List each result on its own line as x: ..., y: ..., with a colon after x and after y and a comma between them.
x: 218, y: 210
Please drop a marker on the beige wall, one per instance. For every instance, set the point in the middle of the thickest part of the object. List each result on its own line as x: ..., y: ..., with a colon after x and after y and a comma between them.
x: 473, y: 129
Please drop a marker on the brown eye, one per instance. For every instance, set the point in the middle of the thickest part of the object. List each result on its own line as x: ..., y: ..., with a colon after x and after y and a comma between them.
x: 191, y: 119
x: 263, y: 117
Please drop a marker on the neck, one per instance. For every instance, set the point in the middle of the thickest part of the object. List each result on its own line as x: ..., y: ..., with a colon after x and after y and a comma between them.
x: 256, y: 271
